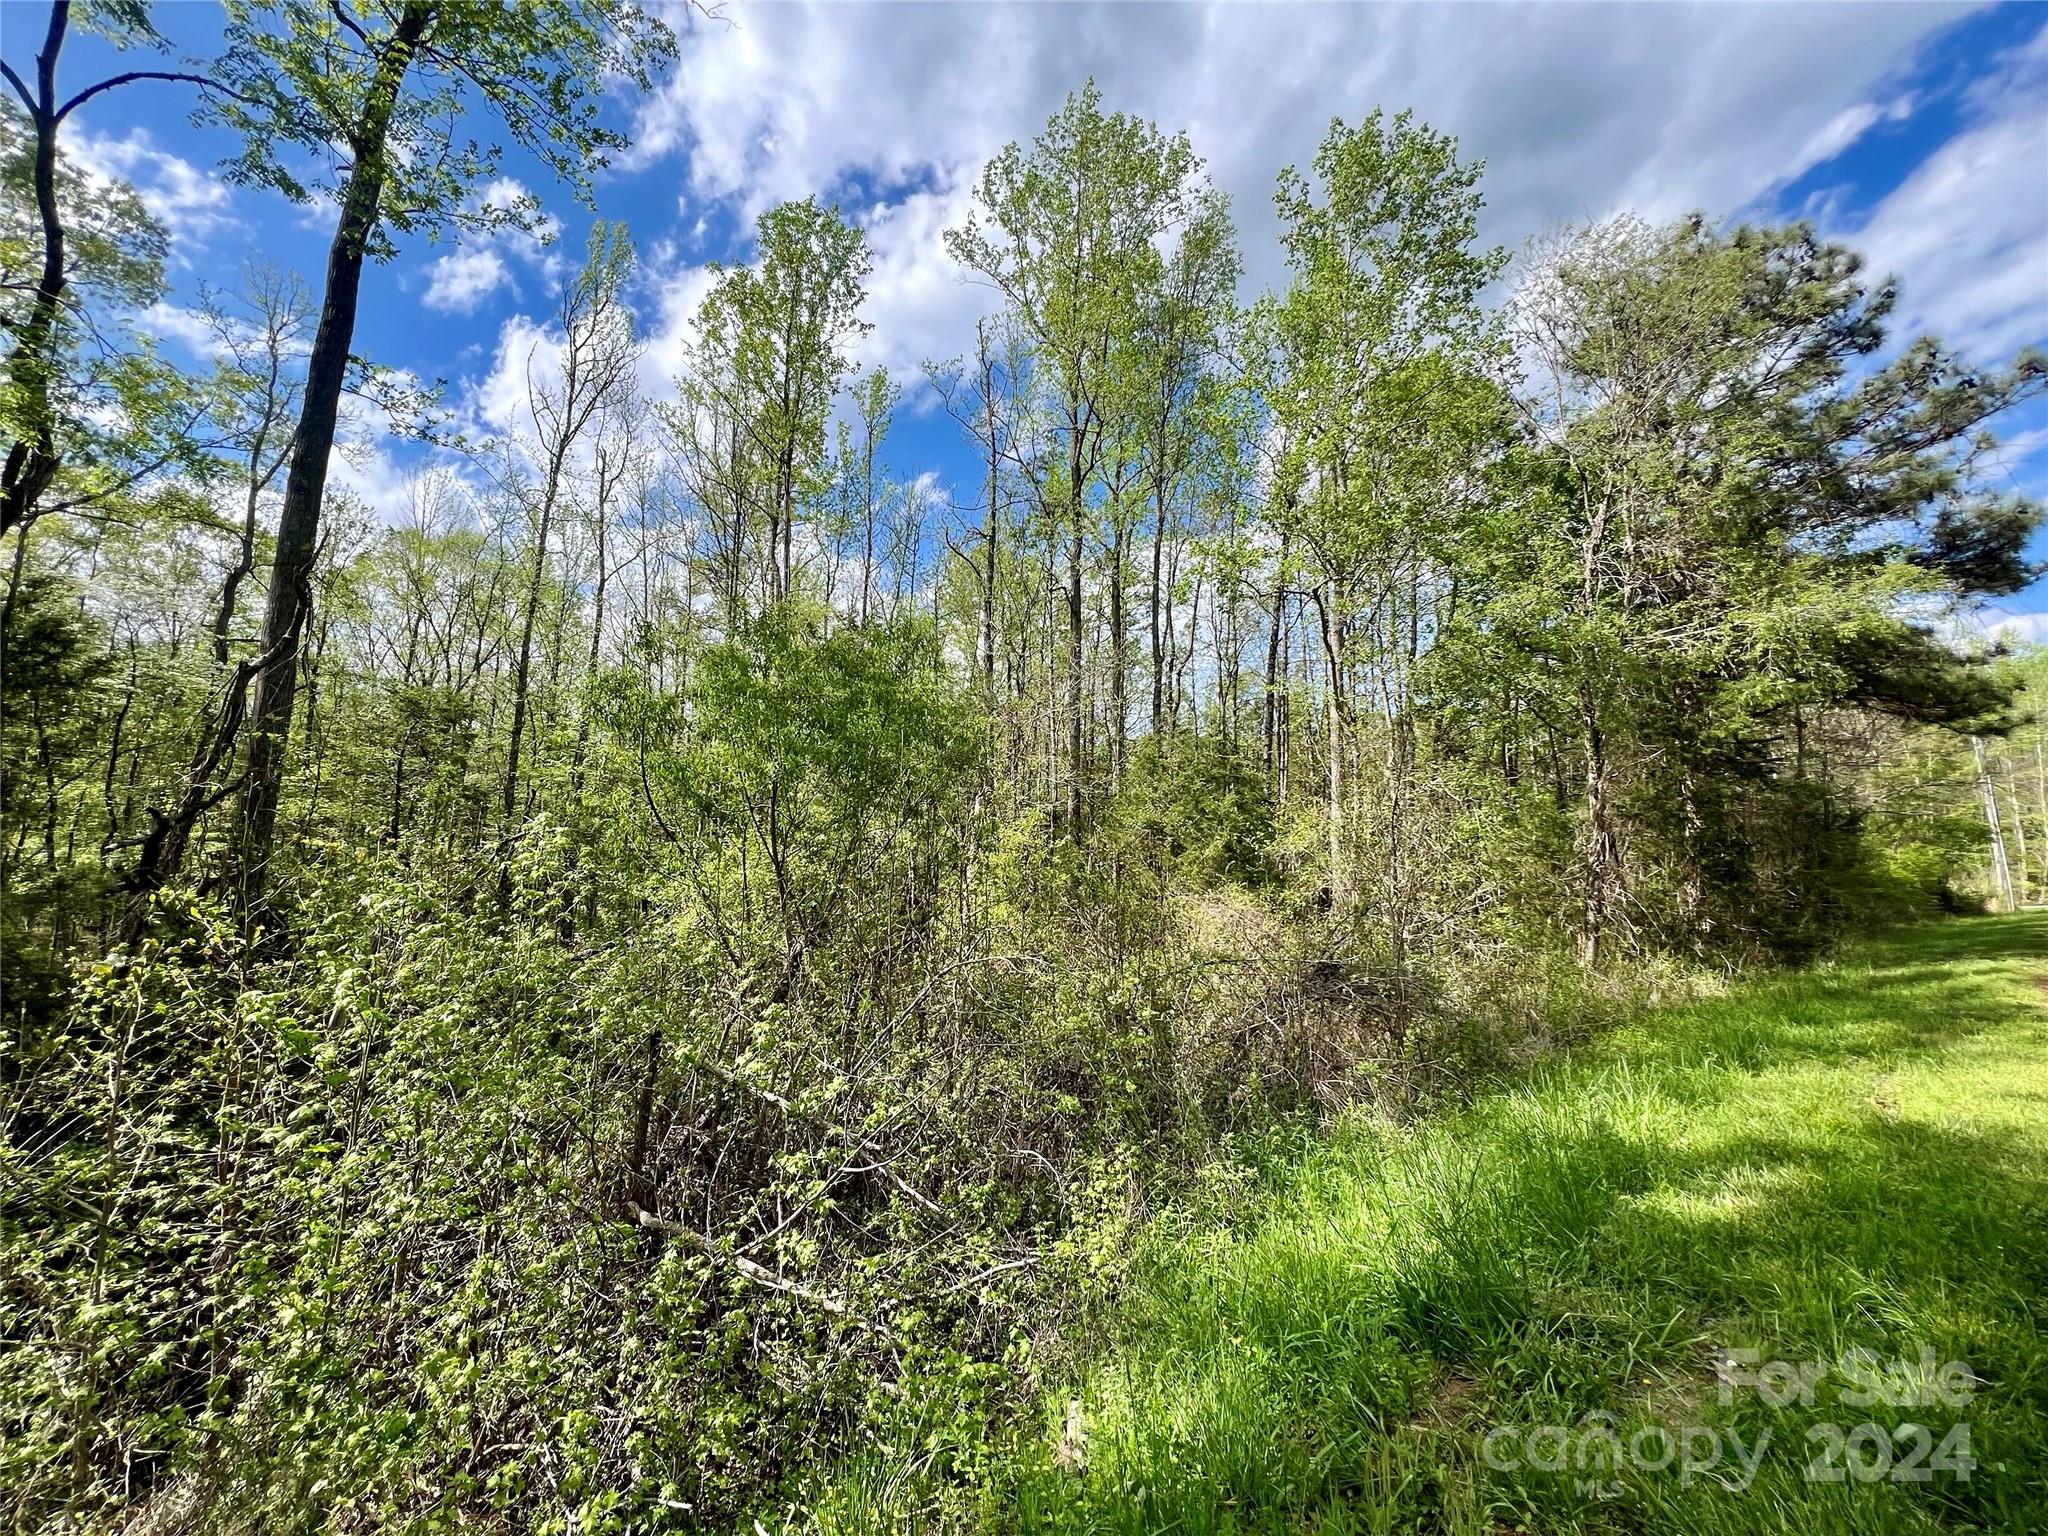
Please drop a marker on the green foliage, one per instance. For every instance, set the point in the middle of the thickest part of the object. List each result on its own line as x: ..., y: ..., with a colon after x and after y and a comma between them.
x: 781, y: 329
x: 55, y: 660
x: 859, y: 724
x: 115, y: 250
x: 769, y: 358
x: 1755, y: 516
x: 801, y: 768
x: 1917, y: 880
x: 1194, y: 813
x: 1382, y: 346
x: 301, y: 76
x: 120, y: 419
x: 1064, y: 230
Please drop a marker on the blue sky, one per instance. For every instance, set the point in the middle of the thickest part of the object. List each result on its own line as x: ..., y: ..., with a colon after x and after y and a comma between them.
x: 1917, y: 131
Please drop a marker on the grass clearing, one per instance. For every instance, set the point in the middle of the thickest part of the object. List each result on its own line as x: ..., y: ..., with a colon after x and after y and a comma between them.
x: 1853, y: 1157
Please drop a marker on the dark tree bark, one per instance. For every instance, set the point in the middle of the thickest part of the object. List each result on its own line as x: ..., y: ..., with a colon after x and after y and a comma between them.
x: 265, y: 456
x: 988, y: 521
x: 1119, y: 660
x: 298, y: 532
x: 596, y: 359
x: 32, y: 461
x: 1156, y: 590
x: 1276, y: 680
x: 1077, y: 725
x: 1602, y: 854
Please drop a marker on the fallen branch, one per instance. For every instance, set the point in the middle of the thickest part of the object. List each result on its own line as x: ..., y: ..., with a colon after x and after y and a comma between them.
x: 759, y: 1274
x: 992, y: 1271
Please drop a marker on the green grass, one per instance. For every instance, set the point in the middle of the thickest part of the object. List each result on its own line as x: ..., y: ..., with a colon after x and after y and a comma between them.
x: 1850, y: 1157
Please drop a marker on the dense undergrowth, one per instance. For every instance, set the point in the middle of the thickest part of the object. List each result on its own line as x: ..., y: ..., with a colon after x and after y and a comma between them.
x: 435, y: 1215
x: 1805, y: 1166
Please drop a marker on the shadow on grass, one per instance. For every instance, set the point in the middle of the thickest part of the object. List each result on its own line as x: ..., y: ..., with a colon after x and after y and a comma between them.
x: 1920, y: 991
x: 1881, y: 1235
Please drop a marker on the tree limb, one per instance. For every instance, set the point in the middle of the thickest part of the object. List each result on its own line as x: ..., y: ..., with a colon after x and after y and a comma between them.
x: 647, y: 1221
x: 204, y: 82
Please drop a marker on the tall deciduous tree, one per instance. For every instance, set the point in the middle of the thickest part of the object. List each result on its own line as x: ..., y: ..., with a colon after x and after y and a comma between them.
x: 1379, y: 398
x: 874, y: 402
x: 119, y: 255
x: 1069, y: 232
x: 1185, y: 317
x: 376, y: 94
x: 770, y: 356
x: 261, y: 340
x: 597, y: 354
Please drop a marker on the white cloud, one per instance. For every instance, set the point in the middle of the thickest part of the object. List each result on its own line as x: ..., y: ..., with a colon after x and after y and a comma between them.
x: 1844, y: 129
x: 2017, y: 628
x: 461, y: 280
x: 399, y: 490
x: 377, y: 460
x: 1578, y: 110
x: 674, y: 289
x: 1967, y: 232
x: 191, y: 204
x: 528, y: 354
x: 368, y: 472
x: 189, y: 327
x: 922, y: 305
x: 2021, y: 446
x: 496, y: 403
x: 919, y: 304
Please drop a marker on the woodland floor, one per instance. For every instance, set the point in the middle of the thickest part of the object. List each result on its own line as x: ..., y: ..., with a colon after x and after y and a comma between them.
x: 1850, y: 1157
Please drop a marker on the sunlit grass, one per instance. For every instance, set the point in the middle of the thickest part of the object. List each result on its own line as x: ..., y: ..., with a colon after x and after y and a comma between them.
x: 1853, y: 1157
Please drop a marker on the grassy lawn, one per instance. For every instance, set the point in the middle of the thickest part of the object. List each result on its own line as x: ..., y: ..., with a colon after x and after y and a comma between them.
x: 1850, y: 1158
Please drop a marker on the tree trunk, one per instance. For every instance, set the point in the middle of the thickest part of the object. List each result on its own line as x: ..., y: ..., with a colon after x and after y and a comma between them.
x: 1158, y: 554
x: 2001, y: 870
x: 1119, y: 660
x: 114, y: 818
x: 523, y: 670
x: 1601, y: 852
x: 1076, y: 725
x: 2041, y: 807
x: 2019, y: 830
x: 245, y: 563
x: 988, y: 529
x: 867, y: 554
x: 163, y: 849
x: 596, y: 633
x: 784, y: 566
x: 298, y: 531
x: 32, y: 458
x: 259, y: 479
x: 310, y: 670
x: 398, y: 756
x: 1276, y: 653
x: 1600, y: 842
x: 1335, y: 725
x: 15, y: 567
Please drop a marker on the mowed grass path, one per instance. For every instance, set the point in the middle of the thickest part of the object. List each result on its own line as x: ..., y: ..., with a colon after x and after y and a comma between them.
x: 1852, y: 1157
